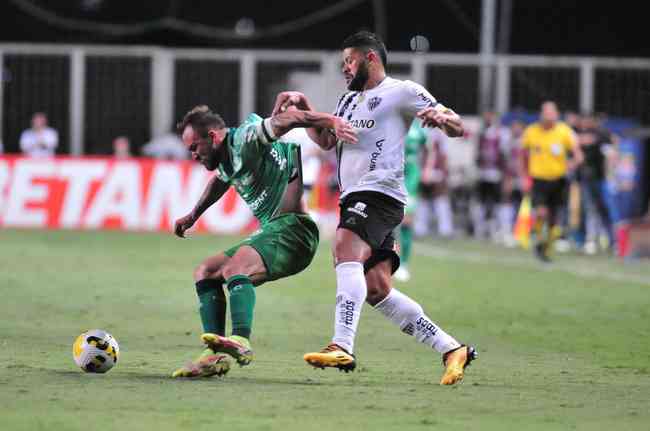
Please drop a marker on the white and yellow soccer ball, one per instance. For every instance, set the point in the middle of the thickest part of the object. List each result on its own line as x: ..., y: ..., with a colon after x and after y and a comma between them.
x: 95, y: 351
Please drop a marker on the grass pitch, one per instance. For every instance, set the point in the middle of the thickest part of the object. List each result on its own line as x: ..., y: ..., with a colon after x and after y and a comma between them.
x: 561, y: 347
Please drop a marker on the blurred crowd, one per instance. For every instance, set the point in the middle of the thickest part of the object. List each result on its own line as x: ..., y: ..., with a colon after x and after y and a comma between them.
x: 479, y: 197
x: 41, y: 140
x: 483, y: 199
x: 479, y: 193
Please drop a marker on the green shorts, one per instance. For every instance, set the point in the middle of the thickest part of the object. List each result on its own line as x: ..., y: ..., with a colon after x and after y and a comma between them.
x: 286, y: 243
x: 411, y: 181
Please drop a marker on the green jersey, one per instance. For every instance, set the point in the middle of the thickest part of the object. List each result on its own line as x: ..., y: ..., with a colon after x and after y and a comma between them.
x: 259, y: 171
x: 415, y: 139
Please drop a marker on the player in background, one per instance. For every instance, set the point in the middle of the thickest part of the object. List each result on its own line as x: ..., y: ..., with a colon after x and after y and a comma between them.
x: 266, y: 172
x: 373, y: 195
x: 545, y: 160
x: 491, y: 162
x: 434, y: 201
x: 416, y: 138
x: 512, y: 184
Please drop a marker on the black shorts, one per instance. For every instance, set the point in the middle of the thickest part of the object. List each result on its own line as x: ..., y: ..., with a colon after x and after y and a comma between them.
x: 551, y: 194
x: 373, y: 216
x: 488, y: 193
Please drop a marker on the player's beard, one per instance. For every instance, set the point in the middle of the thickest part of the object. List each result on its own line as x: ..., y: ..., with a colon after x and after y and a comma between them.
x: 211, y: 160
x: 360, y: 78
x: 211, y: 163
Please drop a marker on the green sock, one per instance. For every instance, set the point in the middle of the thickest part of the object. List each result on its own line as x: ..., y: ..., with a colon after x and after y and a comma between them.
x: 406, y: 239
x: 242, y: 304
x: 212, y: 307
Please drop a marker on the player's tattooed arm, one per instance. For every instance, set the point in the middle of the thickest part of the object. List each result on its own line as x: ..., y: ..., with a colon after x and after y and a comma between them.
x: 212, y: 193
x: 444, y: 118
x: 271, y: 128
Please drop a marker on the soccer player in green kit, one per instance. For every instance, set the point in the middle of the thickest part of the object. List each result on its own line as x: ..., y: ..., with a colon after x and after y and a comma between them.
x: 267, y: 174
x: 415, y: 139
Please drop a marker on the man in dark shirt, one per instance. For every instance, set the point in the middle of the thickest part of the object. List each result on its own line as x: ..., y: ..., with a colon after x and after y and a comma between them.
x: 595, y: 142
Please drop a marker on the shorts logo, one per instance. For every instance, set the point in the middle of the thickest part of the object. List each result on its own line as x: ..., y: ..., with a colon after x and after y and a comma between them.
x: 373, y: 103
x: 408, y: 329
x: 359, y: 208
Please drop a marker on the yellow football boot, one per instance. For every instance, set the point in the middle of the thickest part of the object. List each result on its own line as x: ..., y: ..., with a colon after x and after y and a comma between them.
x: 206, y: 365
x: 237, y: 347
x: 332, y: 356
x: 455, y: 363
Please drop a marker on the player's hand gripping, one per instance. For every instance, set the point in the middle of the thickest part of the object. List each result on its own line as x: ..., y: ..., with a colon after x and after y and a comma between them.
x: 433, y: 118
x: 447, y: 120
x: 344, y: 131
x: 290, y: 98
x: 183, y: 224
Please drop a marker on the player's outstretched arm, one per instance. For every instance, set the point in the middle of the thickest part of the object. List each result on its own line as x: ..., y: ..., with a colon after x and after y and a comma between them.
x: 444, y: 118
x: 279, y: 124
x: 291, y: 119
x: 212, y: 193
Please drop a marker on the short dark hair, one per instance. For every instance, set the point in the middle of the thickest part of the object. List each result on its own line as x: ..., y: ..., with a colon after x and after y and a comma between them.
x: 366, y: 41
x: 202, y: 119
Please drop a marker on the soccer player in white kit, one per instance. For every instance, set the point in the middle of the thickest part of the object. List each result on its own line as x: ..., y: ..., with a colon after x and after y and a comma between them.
x: 373, y: 195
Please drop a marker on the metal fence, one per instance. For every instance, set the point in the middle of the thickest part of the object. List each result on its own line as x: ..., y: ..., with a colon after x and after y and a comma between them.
x: 94, y: 93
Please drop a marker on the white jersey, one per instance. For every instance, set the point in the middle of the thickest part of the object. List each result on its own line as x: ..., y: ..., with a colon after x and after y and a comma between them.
x: 40, y: 143
x: 309, y: 154
x: 381, y: 117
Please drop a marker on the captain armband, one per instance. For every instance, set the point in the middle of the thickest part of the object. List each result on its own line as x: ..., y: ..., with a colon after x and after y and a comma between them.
x: 265, y: 132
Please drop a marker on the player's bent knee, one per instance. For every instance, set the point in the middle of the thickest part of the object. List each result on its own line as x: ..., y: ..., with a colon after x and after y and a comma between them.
x: 376, y: 295
x: 236, y: 268
x: 350, y: 252
x: 201, y: 272
x: 349, y: 247
x: 378, y: 286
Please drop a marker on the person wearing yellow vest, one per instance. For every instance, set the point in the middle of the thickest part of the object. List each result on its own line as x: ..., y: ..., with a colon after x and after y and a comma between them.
x: 545, y: 161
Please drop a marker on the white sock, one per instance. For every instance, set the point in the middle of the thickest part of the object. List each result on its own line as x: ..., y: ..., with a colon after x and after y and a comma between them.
x: 445, y: 217
x: 506, y: 218
x: 351, y: 293
x: 409, y: 316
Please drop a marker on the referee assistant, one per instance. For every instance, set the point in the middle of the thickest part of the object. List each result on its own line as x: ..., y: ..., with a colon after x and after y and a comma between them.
x: 545, y: 160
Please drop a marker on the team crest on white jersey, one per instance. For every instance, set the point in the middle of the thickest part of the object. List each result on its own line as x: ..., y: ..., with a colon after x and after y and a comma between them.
x: 373, y: 103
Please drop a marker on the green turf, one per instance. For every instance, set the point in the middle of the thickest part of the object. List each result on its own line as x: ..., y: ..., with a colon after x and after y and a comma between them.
x: 562, y: 347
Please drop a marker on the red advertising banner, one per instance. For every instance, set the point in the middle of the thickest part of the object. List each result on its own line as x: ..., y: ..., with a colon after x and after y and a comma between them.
x: 107, y: 193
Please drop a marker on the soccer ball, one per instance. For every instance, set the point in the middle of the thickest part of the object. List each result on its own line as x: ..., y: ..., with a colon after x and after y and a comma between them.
x: 95, y: 351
